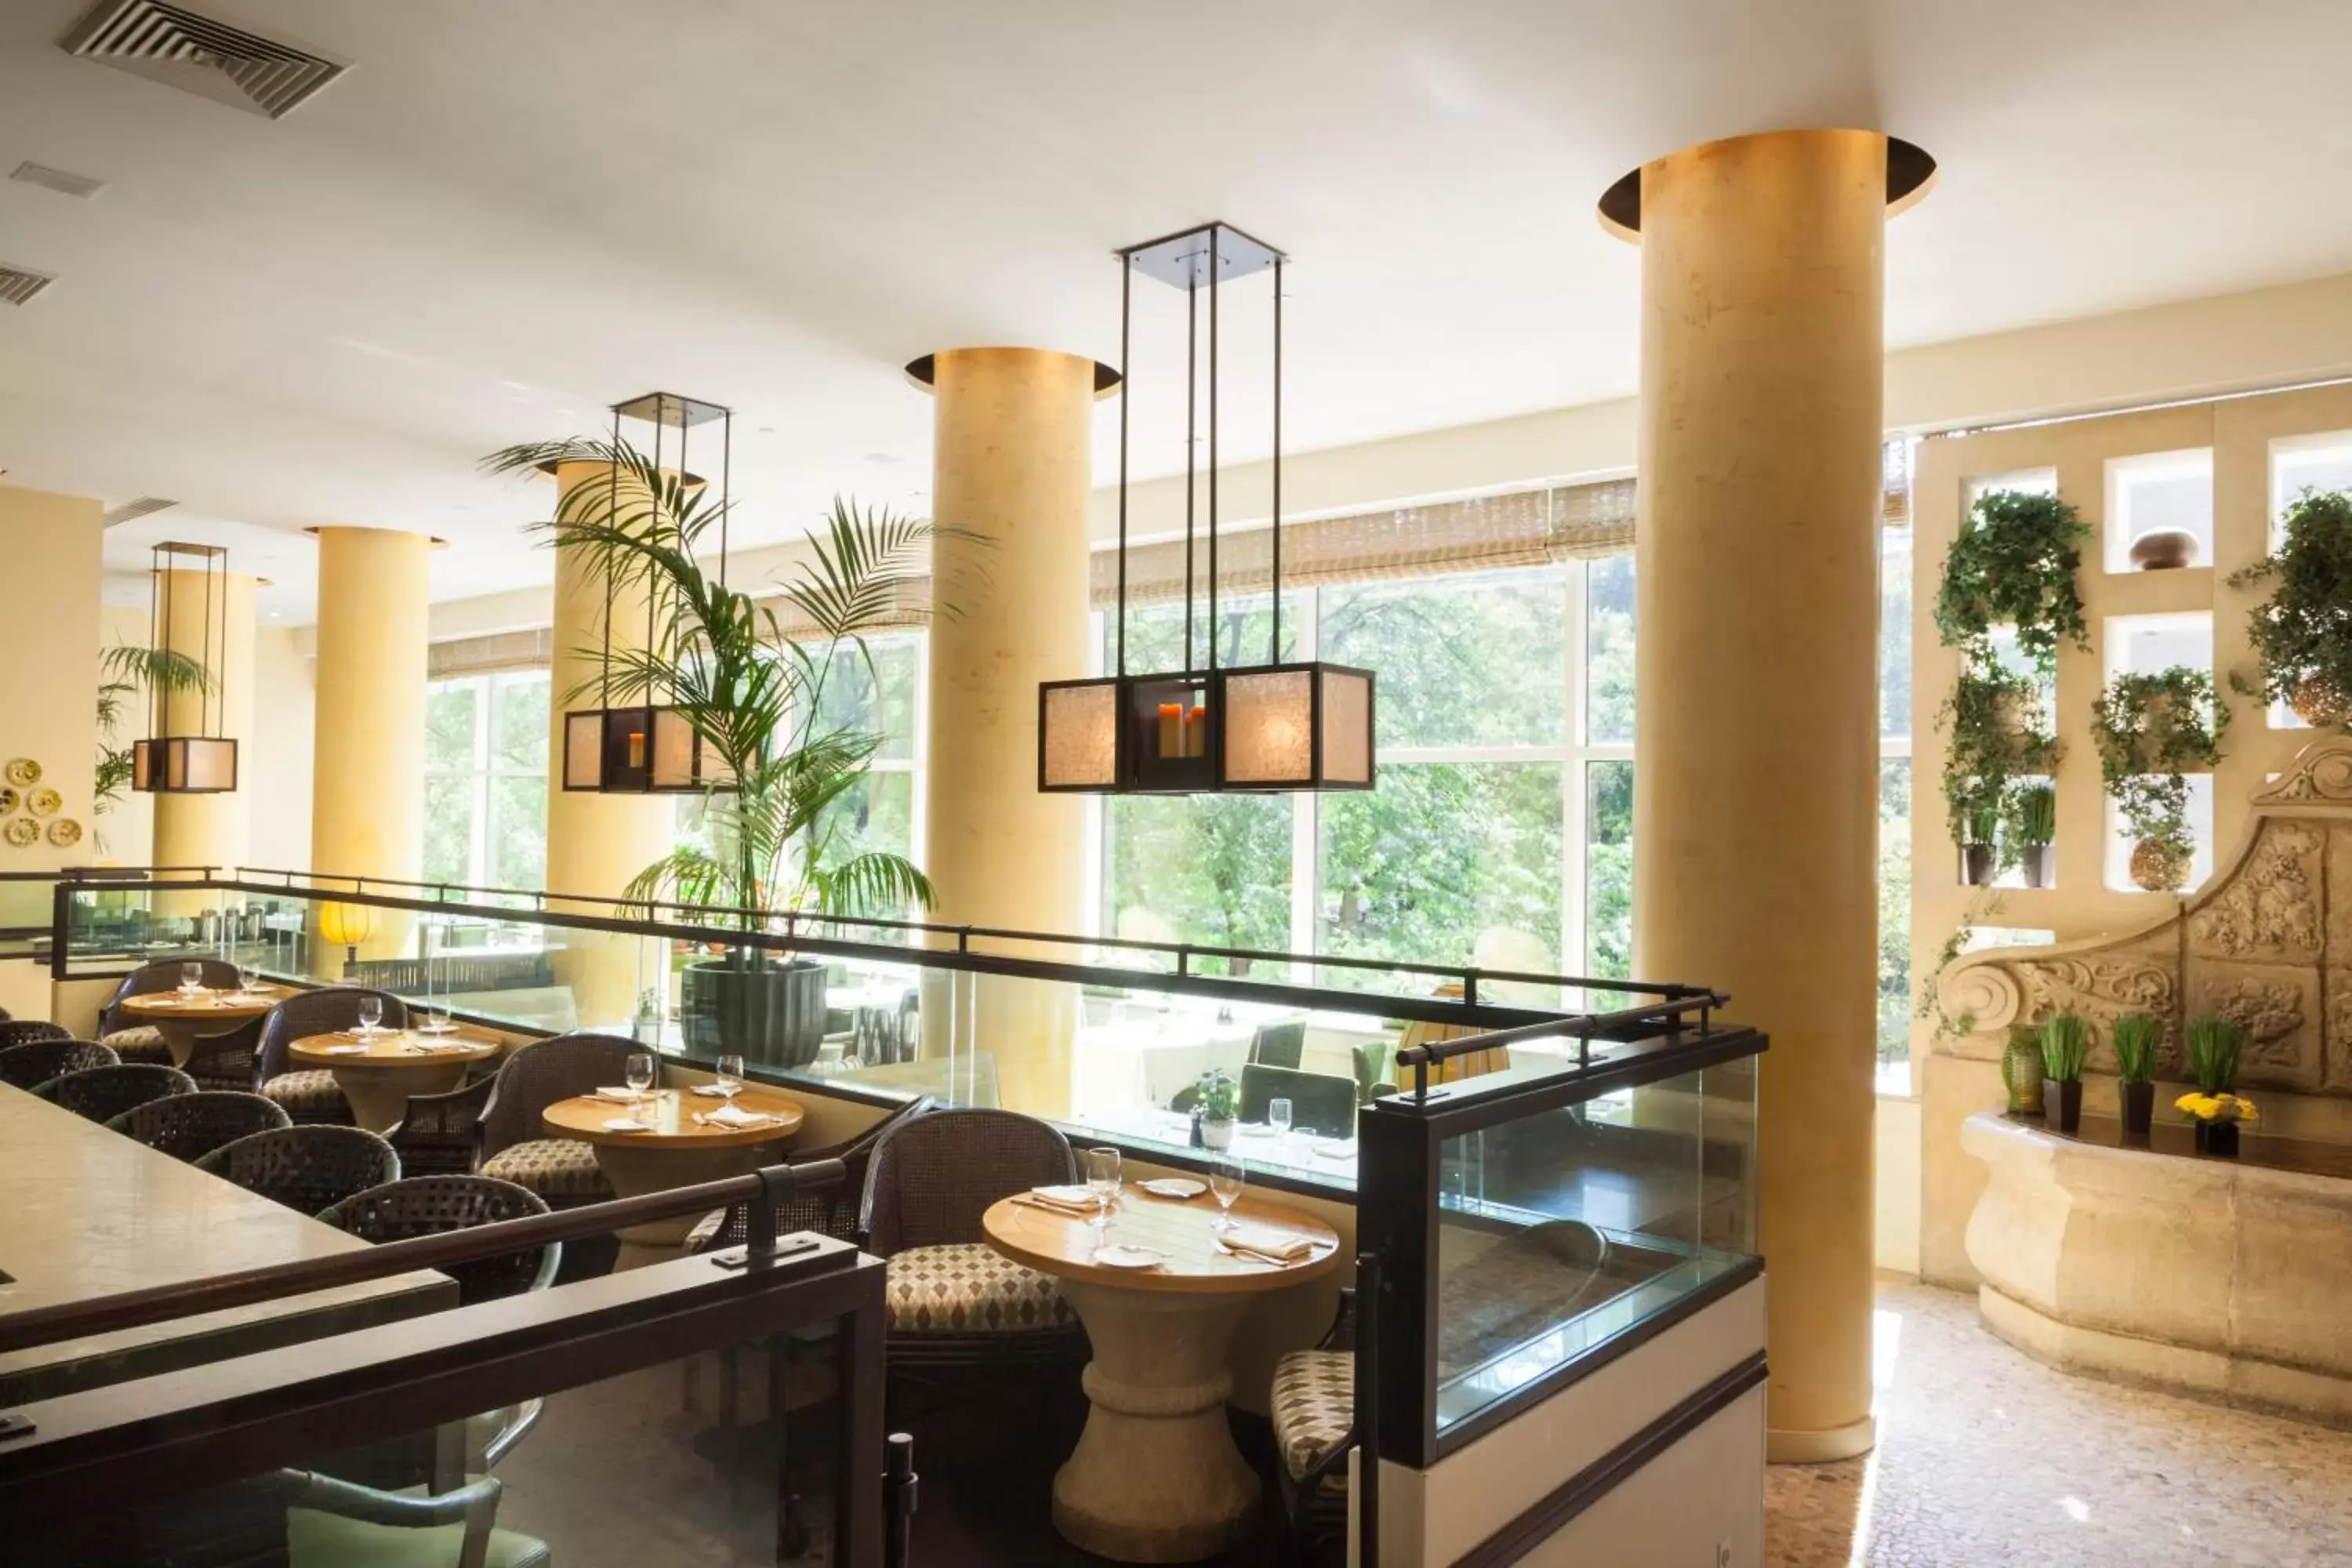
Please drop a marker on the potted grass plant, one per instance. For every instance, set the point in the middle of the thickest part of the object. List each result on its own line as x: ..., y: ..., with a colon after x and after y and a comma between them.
x: 2136, y: 1038
x: 2301, y: 635
x: 2065, y: 1046
x: 2215, y: 1046
x: 773, y: 842
x: 2021, y: 1070
x: 1996, y: 720
x: 2033, y: 812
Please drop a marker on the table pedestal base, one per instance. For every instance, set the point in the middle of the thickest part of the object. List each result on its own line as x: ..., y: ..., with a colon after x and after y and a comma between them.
x: 659, y: 1168
x: 379, y: 1096
x: 1156, y: 1477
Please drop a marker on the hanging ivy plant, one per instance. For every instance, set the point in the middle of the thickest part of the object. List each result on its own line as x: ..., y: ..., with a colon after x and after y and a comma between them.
x: 2014, y: 564
x: 2150, y: 728
x: 2303, y: 633
x: 1997, y: 726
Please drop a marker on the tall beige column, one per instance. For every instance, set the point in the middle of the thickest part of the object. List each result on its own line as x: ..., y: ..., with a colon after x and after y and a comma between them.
x: 1756, y: 730
x: 596, y: 843
x: 209, y: 829
x: 367, y: 790
x: 1010, y: 469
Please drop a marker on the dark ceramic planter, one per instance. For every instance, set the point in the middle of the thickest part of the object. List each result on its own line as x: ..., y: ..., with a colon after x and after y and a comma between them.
x: 771, y: 1013
x: 2138, y: 1106
x: 1979, y: 863
x: 2041, y: 862
x: 2219, y: 1139
x: 2061, y: 1104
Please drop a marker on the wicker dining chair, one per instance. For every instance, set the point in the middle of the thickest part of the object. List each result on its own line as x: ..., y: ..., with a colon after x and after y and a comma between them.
x: 26, y: 1031
x: 305, y: 1168
x: 27, y: 1064
x: 953, y: 1300
x: 190, y: 1126
x: 102, y: 1094
x: 834, y: 1211
x: 225, y: 1061
x: 428, y: 1206
x: 515, y: 1144
x: 136, y: 1042
x: 440, y: 1134
x: 310, y: 1095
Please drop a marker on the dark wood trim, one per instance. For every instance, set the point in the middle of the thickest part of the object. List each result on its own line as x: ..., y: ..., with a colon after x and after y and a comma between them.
x: 1548, y: 1517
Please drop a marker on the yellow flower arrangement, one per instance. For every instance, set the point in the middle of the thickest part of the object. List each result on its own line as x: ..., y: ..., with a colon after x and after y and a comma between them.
x: 2218, y: 1108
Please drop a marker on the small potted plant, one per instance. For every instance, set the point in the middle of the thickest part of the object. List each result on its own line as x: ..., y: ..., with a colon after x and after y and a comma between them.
x: 2150, y: 726
x: 2300, y: 634
x: 2065, y: 1046
x: 2214, y: 1048
x: 1218, y: 1105
x: 2021, y: 1070
x: 1995, y: 720
x: 2136, y: 1038
x: 1979, y: 849
x: 2033, y: 828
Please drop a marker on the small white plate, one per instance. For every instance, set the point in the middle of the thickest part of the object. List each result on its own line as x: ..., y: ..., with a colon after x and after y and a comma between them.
x: 345, y: 1051
x: 1126, y: 1257
x: 1335, y: 1148
x: 627, y: 1124
x: 448, y: 1028
x: 1173, y: 1187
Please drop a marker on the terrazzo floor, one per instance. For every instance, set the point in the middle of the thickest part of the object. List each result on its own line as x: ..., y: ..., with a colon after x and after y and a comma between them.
x: 1985, y: 1457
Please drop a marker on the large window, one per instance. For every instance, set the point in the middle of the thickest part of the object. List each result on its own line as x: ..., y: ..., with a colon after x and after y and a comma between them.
x: 486, y: 779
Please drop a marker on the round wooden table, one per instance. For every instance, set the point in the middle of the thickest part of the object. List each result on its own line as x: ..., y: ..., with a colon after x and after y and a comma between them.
x: 378, y: 1071
x: 187, y: 1016
x: 678, y: 1152
x: 1155, y: 1477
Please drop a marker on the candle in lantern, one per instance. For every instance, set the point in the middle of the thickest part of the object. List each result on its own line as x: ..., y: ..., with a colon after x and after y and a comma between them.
x: 637, y: 748
x: 1196, y: 732
x: 1172, y: 729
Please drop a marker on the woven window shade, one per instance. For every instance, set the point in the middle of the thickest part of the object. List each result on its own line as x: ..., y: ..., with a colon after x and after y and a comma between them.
x: 909, y: 608
x: 485, y: 655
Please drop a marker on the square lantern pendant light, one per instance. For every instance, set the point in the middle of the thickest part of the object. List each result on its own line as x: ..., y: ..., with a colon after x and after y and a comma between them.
x: 1210, y: 728
x: 203, y: 762
x: 650, y: 748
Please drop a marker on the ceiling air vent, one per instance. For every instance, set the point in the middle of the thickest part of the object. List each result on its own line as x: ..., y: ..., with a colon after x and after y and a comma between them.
x: 184, y: 48
x: 133, y: 511
x: 18, y: 284
x: 79, y: 186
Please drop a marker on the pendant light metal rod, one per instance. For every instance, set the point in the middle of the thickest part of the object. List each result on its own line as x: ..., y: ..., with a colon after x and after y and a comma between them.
x: 1274, y: 652
x: 1215, y: 272
x: 1191, y: 413
x: 1126, y: 396
x: 611, y: 509
x: 156, y: 638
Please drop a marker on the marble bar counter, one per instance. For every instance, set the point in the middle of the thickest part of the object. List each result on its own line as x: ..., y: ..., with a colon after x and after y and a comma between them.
x: 86, y: 1213
x: 2220, y: 1278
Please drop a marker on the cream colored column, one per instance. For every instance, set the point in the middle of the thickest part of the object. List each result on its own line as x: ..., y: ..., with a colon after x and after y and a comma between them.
x: 367, y: 789
x: 1011, y: 464
x: 597, y: 843
x: 1756, y: 736
x: 209, y: 829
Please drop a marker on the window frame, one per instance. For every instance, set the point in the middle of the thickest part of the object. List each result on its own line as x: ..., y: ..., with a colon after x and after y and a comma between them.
x: 485, y: 771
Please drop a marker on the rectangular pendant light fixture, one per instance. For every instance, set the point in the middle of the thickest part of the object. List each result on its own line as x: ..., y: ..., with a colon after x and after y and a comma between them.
x: 202, y: 762
x: 1211, y: 729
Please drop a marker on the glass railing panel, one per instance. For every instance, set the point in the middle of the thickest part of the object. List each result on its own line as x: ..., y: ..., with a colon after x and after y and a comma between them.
x: 1560, y: 1230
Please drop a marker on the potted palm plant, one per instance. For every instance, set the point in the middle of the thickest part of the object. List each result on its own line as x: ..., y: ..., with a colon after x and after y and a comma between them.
x: 2065, y: 1046
x: 754, y: 698
x: 2136, y: 1038
x: 2301, y: 636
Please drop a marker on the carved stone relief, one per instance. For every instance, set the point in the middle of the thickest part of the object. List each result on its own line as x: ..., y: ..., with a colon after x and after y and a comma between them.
x: 2339, y: 896
x: 2339, y: 1030
x: 2268, y: 911
x: 2321, y: 774
x: 2101, y: 987
x: 2279, y: 1009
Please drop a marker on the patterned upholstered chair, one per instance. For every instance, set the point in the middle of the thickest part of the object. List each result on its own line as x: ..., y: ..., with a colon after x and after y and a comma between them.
x: 134, y: 1041
x: 305, y: 1168
x: 515, y: 1145
x: 1313, y: 1410
x: 31, y: 1062
x: 102, y: 1094
x: 428, y: 1206
x: 190, y: 1126
x: 310, y: 1095
x: 952, y: 1299
x: 440, y: 1134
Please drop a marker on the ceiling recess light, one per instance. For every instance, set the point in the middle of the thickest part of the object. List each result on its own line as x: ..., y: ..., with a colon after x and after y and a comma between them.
x: 1205, y: 729
x: 187, y: 50
x: 82, y: 188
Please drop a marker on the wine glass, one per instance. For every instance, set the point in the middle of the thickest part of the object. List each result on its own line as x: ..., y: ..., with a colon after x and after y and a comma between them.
x: 370, y: 1012
x: 1102, y: 1180
x: 1225, y: 1186
x: 1278, y: 1116
x: 192, y: 977
x: 436, y: 1017
x: 640, y: 1073
x: 730, y: 1075
x: 249, y: 978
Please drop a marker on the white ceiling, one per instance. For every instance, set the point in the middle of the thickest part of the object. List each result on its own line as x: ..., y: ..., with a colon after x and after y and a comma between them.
x: 509, y: 215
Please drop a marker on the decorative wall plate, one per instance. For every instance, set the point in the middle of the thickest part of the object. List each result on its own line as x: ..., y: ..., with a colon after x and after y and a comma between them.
x: 44, y: 802
x: 22, y: 831
x: 24, y: 772
x: 64, y: 833
x: 8, y: 799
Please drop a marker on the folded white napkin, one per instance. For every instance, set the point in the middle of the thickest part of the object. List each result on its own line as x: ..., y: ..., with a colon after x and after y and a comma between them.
x: 1274, y: 1246
x: 732, y: 1115
x: 1064, y: 1199
x: 709, y: 1091
x: 618, y: 1096
x: 345, y: 1051
x: 627, y: 1124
